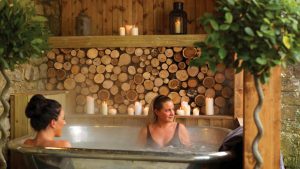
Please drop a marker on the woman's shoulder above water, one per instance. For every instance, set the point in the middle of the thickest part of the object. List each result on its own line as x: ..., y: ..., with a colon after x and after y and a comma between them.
x: 52, y: 143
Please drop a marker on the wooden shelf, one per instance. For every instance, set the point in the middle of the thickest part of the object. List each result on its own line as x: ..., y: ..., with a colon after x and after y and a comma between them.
x: 206, y: 117
x: 125, y: 41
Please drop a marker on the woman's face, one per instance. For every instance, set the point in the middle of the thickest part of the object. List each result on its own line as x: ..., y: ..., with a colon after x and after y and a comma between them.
x: 166, y: 114
x: 60, y: 122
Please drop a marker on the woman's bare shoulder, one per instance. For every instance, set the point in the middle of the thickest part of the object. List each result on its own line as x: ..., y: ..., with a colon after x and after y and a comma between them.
x: 62, y: 143
x: 29, y: 142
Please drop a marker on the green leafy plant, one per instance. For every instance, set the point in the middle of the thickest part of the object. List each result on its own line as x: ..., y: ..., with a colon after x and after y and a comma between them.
x: 22, y: 36
x: 252, y: 35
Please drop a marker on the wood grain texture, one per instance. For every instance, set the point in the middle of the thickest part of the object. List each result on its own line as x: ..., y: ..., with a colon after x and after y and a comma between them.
x: 148, y: 17
x: 107, y: 17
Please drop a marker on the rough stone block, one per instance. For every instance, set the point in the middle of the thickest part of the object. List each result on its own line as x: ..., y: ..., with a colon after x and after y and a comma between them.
x: 290, y: 98
x: 36, y: 73
x: 28, y: 72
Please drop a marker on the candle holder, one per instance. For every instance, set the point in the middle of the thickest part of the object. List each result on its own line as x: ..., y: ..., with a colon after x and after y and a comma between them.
x: 178, y: 19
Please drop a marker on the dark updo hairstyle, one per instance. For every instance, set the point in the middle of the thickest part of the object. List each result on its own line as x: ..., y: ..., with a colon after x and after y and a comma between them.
x: 156, y: 105
x: 41, y: 111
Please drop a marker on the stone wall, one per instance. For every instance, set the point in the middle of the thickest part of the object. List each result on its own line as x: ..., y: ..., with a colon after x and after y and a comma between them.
x: 290, y: 102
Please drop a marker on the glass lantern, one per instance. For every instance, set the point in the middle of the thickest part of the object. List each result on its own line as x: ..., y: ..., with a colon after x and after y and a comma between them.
x: 178, y: 19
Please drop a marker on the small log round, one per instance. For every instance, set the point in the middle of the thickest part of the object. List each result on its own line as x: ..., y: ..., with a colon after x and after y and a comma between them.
x: 146, y: 75
x: 138, y: 79
x: 100, y: 69
x: 114, y: 90
x: 107, y: 51
x: 131, y: 95
x: 162, y: 58
x: 182, y: 75
x: 158, y: 82
x: 149, y: 68
x: 169, y: 61
x: 210, y: 93
x: 220, y: 101
x: 147, y: 51
x: 131, y: 70
x: 192, y: 93
x: 150, y: 96
x: 115, y: 54
x: 58, y: 65
x: 94, y: 88
x: 67, y: 66
x: 114, y: 62
x: 92, y: 69
x: 140, y: 88
x: 51, y: 55
x: 125, y: 87
x: 184, y: 85
x: 174, y: 96
x: 161, y: 49
x: 165, y: 66
x: 169, y: 53
x: 177, y: 49
x: 84, y: 70
x: 50, y: 64
x: 200, y: 100
x: 163, y: 90
x: 182, y: 93
x: 174, y: 84
x: 163, y: 74
x: 189, y: 52
x: 124, y: 59
x: 109, y: 68
x: 210, y: 73
x: 69, y: 84
x: 155, y: 62
x: 185, y: 99
x: 97, y: 61
x: 200, y: 76
x: 75, y: 60
x: 193, y: 71
x: 107, y: 84
x: 61, y: 74
x: 135, y: 59
x: 227, y: 92
x: 118, y: 98
x: 92, y: 53
x: 201, y: 90
x: 204, y: 69
x: 155, y: 72
x: 181, y: 65
x: 208, y: 82
x: 49, y: 86
x: 139, y: 52
x: 114, y: 77
x: 85, y: 91
x: 116, y: 70
x: 51, y: 73
x: 82, y: 61
x: 218, y: 87
x: 106, y: 59
x: 73, y: 52
x: 219, y: 78
x: 68, y: 57
x: 123, y: 77
x: 173, y: 68
x: 79, y: 78
x: 154, y: 52
x: 178, y: 57
x: 80, y: 54
x: 122, y: 109
x: 192, y: 82
x: 148, y: 84
x: 103, y: 94
x: 99, y: 78
x: 60, y: 58
x: 52, y: 80
x: 130, y: 50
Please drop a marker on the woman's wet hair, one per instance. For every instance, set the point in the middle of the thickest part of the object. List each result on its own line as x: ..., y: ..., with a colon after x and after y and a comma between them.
x: 41, y: 111
x: 156, y: 105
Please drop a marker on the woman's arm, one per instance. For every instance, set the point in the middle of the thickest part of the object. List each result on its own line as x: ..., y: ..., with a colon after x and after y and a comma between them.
x: 184, y: 135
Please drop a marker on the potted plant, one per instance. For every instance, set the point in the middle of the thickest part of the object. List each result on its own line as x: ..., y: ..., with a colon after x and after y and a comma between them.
x: 22, y: 36
x: 254, y: 36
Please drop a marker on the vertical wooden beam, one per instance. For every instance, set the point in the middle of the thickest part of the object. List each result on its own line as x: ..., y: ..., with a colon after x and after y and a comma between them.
x: 98, y: 17
x: 66, y: 17
x: 200, y: 10
x: 269, y: 145
x: 107, y: 17
x: 168, y: 7
x: 117, y: 16
x: 189, y: 8
x: 137, y: 14
x: 158, y: 9
x: 210, y: 6
x: 148, y: 17
x: 238, y: 95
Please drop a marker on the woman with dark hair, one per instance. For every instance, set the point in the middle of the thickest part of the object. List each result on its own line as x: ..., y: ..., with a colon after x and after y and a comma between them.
x: 47, y: 119
x: 162, y: 130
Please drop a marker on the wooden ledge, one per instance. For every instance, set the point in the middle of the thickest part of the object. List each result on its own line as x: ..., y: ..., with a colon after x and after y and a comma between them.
x: 125, y: 41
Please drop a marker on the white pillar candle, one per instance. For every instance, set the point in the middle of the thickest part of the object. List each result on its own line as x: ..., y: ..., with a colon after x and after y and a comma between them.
x: 130, y: 111
x: 112, y: 111
x: 104, y: 108
x: 195, y: 112
x: 209, y: 106
x: 128, y: 29
x: 122, y: 31
x: 177, y: 26
x: 187, y: 110
x: 180, y: 112
x: 135, y: 31
x: 145, y: 111
x: 90, y: 105
x: 137, y: 108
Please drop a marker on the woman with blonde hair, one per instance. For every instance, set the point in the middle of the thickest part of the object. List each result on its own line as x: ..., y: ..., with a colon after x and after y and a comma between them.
x: 162, y: 131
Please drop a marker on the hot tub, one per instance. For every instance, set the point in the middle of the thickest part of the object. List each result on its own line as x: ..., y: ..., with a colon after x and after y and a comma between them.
x: 114, y: 147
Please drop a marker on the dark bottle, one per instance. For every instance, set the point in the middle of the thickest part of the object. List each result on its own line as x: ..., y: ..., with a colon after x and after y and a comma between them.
x: 83, y: 24
x: 178, y: 19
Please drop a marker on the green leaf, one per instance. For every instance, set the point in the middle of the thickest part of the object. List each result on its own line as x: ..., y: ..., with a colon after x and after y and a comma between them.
x: 214, y: 25
x: 286, y: 42
x: 249, y: 31
x: 1, y: 51
x: 224, y: 27
x: 231, y: 2
x: 39, y: 19
x: 259, y: 34
x: 37, y: 41
x: 222, y: 53
x: 228, y: 17
x: 261, y: 61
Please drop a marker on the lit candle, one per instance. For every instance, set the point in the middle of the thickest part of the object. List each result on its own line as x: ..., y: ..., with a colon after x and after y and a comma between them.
x: 112, y: 111
x: 104, y: 108
x: 122, y: 31
x: 90, y: 105
x: 130, y: 111
x: 186, y: 107
x: 195, y: 112
x: 180, y: 112
x: 177, y: 26
x: 146, y: 110
x: 209, y: 106
x: 128, y: 29
x: 135, y: 31
x: 137, y: 108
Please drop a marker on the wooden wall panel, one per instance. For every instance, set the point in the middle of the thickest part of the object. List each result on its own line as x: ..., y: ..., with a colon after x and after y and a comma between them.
x: 150, y: 16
